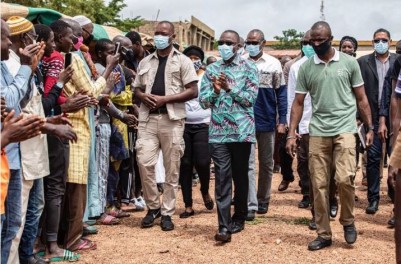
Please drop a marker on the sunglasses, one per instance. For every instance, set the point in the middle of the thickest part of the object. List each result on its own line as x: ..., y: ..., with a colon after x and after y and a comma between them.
x: 252, y: 43
x: 380, y: 40
x: 228, y: 43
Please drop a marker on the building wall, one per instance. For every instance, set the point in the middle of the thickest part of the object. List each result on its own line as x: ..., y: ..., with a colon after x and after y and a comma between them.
x: 193, y: 32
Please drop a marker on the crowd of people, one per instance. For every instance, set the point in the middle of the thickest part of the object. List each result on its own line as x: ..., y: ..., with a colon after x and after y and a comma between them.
x: 95, y: 129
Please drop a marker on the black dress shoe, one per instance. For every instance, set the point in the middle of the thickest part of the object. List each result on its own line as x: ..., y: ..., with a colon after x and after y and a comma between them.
x: 319, y: 243
x: 391, y: 222
x: 304, y: 203
x: 312, y: 224
x: 187, y: 214
x: 333, y: 210
x: 250, y: 216
x: 283, y: 185
x: 223, y: 235
x: 263, y: 208
x: 166, y: 223
x: 350, y: 233
x: 236, y: 227
x: 373, y: 207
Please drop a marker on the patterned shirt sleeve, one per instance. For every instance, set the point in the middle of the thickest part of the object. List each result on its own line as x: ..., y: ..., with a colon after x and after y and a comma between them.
x: 246, y: 96
x: 207, y: 96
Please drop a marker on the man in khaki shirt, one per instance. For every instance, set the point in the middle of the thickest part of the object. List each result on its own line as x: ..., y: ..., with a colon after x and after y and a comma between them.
x: 166, y: 80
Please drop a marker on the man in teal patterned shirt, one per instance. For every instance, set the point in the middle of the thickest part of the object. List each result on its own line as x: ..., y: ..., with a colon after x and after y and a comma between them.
x: 229, y: 87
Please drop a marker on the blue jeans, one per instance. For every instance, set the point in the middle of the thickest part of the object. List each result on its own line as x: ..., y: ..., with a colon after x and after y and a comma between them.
x: 12, y: 221
x: 36, y: 204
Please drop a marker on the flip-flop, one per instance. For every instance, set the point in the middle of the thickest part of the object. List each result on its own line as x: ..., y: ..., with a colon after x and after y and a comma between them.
x: 117, y: 213
x: 85, y: 244
x: 108, y: 220
x: 128, y: 207
x: 67, y: 256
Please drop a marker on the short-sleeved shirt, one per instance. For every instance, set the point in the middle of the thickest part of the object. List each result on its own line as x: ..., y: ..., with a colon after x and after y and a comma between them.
x: 179, y: 72
x: 330, y: 86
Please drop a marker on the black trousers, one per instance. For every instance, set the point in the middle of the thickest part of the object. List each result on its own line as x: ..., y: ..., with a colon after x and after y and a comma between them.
x: 231, y: 162
x: 285, y: 160
x: 196, y: 154
x: 54, y: 186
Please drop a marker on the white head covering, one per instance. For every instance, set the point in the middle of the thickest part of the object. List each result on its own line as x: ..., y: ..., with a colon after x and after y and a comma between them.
x: 82, y: 20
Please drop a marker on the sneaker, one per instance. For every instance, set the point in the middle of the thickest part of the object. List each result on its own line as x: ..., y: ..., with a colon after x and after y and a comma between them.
x: 141, y: 201
x: 166, y: 223
x: 138, y: 205
x: 150, y: 217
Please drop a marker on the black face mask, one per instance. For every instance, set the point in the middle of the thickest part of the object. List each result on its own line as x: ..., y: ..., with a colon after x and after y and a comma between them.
x: 322, y: 48
x: 88, y: 40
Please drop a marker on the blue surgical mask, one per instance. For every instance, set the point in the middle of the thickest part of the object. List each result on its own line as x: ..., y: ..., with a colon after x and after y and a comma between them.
x: 308, y: 51
x: 226, y: 52
x: 161, y: 42
x: 253, y: 50
x: 381, y: 47
x: 197, y: 64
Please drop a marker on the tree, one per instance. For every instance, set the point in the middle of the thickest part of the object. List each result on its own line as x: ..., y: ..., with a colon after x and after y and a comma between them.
x: 96, y: 10
x: 290, y: 39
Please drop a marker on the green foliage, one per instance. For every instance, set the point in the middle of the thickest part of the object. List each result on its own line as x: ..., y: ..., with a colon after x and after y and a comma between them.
x: 290, y: 39
x: 96, y: 10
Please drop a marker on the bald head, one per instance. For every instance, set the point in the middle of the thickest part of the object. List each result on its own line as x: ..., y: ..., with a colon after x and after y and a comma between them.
x: 125, y: 42
x: 322, y: 26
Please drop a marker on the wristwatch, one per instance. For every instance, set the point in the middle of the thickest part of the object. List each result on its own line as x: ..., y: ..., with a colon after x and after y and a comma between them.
x: 369, y: 128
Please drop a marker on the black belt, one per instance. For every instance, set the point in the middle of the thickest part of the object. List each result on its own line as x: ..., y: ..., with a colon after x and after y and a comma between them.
x: 159, y: 111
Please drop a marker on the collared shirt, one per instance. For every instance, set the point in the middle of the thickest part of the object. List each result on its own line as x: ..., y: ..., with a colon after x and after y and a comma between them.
x: 382, y: 69
x: 34, y: 153
x: 232, y: 113
x: 14, y: 89
x: 272, y: 94
x: 303, y: 126
x: 79, y: 151
x: 179, y: 72
x: 330, y: 86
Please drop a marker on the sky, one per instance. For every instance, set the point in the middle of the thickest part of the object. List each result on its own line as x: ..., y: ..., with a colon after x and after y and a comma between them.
x: 357, y: 18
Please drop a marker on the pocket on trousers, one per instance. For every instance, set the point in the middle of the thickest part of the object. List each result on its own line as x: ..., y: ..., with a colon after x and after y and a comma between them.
x: 178, y: 148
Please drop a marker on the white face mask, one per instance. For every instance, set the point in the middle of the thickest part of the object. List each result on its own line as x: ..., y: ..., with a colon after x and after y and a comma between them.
x: 241, y: 51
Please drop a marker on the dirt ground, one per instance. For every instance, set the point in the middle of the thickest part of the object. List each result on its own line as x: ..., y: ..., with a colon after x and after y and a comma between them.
x: 280, y: 236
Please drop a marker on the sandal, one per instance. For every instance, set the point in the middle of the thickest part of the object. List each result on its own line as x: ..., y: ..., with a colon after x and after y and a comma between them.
x: 113, y: 211
x: 67, y: 256
x: 89, y: 230
x: 128, y: 207
x: 85, y: 244
x: 106, y: 219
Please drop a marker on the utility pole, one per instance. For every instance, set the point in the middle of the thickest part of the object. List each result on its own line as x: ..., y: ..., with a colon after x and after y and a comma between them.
x: 322, y: 16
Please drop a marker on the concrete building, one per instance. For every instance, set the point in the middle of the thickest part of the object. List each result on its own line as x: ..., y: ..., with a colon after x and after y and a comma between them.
x: 193, y: 32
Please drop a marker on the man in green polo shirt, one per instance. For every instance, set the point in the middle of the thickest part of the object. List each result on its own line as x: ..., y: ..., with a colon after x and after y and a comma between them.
x: 335, y: 84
